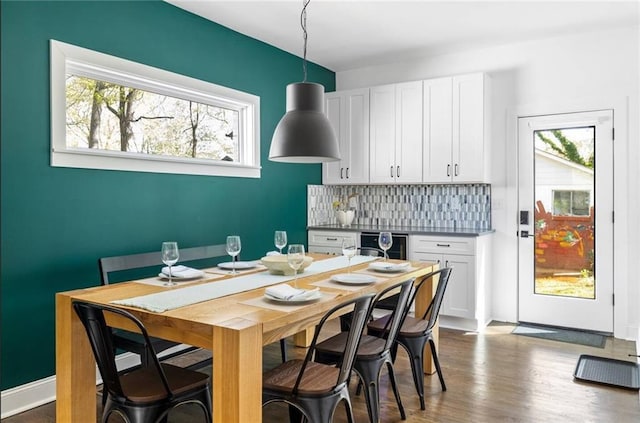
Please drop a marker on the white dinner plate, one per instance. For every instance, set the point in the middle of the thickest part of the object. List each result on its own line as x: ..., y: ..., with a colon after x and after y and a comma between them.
x: 353, y: 279
x: 315, y: 297
x: 386, y: 267
x: 240, y: 265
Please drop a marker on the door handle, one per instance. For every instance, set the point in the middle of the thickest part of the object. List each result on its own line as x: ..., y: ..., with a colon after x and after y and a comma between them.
x: 341, y: 173
x: 347, y: 173
x: 455, y: 170
x: 448, y: 170
x: 398, y: 172
x: 526, y: 234
x: 391, y: 171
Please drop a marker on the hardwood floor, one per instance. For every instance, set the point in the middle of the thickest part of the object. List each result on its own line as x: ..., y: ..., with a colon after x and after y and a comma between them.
x: 491, y: 377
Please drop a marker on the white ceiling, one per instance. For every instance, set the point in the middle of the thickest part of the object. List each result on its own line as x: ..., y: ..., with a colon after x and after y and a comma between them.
x: 350, y: 34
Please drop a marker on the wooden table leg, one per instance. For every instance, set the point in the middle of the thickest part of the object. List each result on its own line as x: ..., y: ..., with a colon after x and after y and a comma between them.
x: 303, y: 339
x: 237, y: 372
x: 75, y: 367
x: 423, y: 299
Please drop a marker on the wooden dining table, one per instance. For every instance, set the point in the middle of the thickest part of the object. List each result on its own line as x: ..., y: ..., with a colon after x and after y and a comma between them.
x: 234, y: 327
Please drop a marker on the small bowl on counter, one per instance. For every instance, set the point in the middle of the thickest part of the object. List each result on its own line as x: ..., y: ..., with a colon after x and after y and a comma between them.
x: 278, y: 265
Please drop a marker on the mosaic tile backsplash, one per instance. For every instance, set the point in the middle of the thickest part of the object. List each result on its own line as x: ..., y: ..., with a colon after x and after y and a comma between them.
x: 433, y: 206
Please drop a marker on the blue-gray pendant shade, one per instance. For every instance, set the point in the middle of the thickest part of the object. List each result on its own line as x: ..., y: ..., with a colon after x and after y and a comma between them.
x: 304, y: 134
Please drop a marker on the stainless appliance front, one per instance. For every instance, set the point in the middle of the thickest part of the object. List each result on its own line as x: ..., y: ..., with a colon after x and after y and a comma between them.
x: 398, y: 249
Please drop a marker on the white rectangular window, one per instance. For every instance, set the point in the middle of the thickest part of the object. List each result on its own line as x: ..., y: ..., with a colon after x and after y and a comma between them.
x: 111, y: 113
x: 571, y: 203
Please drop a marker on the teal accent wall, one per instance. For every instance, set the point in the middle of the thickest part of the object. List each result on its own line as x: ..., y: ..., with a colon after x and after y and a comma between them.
x: 57, y: 222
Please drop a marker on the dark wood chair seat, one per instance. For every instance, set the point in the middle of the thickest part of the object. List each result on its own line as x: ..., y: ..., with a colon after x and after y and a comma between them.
x: 370, y: 346
x: 411, y: 327
x: 144, y: 385
x: 318, y: 378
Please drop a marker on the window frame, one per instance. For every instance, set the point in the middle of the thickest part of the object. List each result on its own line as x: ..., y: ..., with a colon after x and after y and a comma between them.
x: 87, y: 63
x: 571, y: 205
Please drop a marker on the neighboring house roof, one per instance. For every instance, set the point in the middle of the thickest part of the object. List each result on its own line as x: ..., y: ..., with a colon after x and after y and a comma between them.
x: 563, y: 161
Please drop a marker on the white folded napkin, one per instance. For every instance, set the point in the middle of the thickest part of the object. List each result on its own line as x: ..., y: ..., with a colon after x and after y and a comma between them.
x: 273, y: 253
x: 288, y: 293
x: 182, y: 272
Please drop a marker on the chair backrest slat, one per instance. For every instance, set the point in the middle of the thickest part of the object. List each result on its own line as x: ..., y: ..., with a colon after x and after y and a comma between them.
x: 139, y: 261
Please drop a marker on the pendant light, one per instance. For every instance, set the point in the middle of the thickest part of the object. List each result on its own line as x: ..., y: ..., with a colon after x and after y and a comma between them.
x: 304, y: 134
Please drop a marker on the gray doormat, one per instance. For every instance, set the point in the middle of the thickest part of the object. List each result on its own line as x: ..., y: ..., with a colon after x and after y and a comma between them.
x: 608, y: 371
x: 563, y: 335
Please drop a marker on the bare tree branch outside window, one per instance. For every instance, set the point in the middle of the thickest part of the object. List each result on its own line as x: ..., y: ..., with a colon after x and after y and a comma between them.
x: 144, y: 122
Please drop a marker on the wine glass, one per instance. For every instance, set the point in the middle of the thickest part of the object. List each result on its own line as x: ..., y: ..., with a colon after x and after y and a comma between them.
x: 349, y: 250
x: 170, y: 256
x: 295, y: 258
x: 280, y: 240
x: 233, y: 249
x: 385, y: 241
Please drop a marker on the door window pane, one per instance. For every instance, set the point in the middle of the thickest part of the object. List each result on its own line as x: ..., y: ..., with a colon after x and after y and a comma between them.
x: 565, y: 226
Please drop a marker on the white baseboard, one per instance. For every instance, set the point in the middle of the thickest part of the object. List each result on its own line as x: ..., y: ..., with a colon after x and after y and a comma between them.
x: 33, y: 394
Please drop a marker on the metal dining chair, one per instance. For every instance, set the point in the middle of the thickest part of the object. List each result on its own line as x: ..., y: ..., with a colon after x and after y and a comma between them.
x: 146, y: 394
x: 373, y: 352
x: 416, y: 332
x: 315, y: 389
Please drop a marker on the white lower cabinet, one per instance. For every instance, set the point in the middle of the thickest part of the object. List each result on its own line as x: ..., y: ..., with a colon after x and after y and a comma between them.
x: 329, y: 242
x: 466, y: 301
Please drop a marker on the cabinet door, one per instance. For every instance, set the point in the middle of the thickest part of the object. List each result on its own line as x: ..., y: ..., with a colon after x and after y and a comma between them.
x: 437, y: 132
x: 459, y: 298
x: 468, y: 128
x: 408, y: 151
x: 356, y: 143
x: 382, y: 133
x: 333, y: 172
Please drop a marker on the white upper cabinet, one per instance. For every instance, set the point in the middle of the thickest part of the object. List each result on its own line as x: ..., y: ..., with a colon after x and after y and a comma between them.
x: 348, y: 112
x: 455, y: 129
x: 438, y: 130
x: 396, y: 133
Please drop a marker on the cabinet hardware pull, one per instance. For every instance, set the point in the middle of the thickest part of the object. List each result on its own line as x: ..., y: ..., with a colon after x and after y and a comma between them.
x: 398, y: 172
x: 347, y: 173
x: 448, y: 170
x: 391, y: 171
x: 446, y: 263
x: 443, y: 245
x: 455, y: 171
x: 332, y: 239
x: 341, y: 170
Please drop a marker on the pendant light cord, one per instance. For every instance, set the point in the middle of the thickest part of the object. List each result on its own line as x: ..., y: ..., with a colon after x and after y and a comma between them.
x: 303, y: 24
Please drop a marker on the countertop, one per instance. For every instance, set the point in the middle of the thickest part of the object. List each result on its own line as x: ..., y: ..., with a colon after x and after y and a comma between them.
x: 411, y: 230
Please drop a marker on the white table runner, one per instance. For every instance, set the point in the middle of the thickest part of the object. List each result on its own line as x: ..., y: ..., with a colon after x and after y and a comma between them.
x: 176, y: 298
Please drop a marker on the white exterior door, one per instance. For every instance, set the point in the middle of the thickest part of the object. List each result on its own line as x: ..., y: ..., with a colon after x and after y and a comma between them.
x: 565, y: 250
